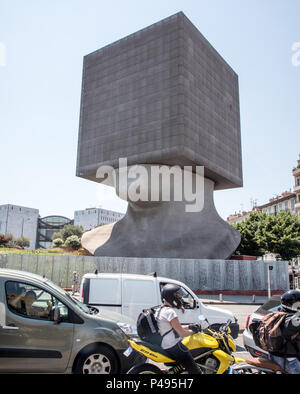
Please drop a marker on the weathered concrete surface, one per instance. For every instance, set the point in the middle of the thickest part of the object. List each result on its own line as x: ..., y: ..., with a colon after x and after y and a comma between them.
x: 162, y: 95
x: 238, y: 275
x: 166, y: 230
x: 93, y: 239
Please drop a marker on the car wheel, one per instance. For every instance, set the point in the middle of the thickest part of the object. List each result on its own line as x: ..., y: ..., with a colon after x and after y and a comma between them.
x: 99, y: 360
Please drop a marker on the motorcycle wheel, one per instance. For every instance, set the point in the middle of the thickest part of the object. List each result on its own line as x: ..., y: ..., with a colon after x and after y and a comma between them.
x: 144, y: 369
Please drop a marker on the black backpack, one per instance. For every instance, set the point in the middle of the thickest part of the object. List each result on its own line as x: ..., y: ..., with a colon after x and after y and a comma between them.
x: 147, y: 327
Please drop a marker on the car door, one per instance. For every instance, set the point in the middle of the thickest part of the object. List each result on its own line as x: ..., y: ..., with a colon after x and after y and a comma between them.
x: 29, y: 340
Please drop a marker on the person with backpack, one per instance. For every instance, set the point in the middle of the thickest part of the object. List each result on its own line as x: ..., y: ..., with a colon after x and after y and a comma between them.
x: 171, y: 329
x: 288, y: 357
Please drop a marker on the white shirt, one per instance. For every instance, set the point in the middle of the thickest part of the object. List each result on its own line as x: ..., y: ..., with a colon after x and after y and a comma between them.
x: 163, y: 317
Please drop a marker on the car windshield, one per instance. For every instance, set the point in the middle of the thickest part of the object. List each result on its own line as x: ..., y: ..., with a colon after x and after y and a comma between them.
x: 77, y: 304
x: 272, y: 305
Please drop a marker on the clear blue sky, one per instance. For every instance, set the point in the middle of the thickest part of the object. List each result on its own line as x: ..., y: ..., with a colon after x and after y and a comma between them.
x: 40, y: 85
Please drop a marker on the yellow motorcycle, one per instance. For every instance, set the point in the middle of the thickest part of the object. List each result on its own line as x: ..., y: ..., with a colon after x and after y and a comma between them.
x: 212, y: 350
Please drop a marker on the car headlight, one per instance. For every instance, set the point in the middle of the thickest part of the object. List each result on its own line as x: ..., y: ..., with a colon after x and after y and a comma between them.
x: 128, y: 329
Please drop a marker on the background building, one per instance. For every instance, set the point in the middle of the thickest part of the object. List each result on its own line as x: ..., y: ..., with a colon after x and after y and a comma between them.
x: 284, y: 202
x: 90, y: 218
x: 238, y: 217
x: 26, y: 222
x: 296, y: 173
x: 287, y: 201
x: 20, y: 222
x: 47, y: 226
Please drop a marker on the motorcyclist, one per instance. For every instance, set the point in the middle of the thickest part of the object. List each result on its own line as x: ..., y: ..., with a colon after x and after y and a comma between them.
x: 290, y: 360
x: 167, y: 320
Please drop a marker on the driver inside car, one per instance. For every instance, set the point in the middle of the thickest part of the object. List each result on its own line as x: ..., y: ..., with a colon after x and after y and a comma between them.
x: 34, y: 310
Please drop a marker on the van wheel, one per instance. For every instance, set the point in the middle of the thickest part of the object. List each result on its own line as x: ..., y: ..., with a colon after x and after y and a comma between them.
x: 144, y: 369
x: 99, y: 360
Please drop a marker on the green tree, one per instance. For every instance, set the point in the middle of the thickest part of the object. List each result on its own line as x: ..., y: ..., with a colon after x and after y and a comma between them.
x: 282, y: 235
x: 252, y: 235
x: 262, y: 233
x: 70, y: 230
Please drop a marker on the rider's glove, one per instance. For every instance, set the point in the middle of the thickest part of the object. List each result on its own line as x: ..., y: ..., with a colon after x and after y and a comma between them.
x: 195, y: 327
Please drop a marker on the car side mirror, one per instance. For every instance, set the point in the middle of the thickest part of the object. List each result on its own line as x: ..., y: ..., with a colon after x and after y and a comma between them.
x: 55, y: 314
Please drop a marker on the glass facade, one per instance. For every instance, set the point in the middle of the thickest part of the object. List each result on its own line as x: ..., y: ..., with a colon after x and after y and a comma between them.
x: 47, y: 226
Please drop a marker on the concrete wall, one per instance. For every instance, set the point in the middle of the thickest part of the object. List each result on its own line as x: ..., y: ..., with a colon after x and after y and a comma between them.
x: 197, y: 274
x: 20, y: 222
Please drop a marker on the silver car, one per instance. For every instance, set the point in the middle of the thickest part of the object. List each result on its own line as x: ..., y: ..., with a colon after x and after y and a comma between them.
x: 43, y: 329
x: 272, y: 305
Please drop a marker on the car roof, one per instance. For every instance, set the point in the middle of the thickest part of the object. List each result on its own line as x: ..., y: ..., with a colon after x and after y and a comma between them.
x: 21, y: 275
x: 130, y: 276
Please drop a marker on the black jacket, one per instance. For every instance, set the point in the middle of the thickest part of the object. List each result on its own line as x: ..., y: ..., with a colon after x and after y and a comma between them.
x: 291, y: 332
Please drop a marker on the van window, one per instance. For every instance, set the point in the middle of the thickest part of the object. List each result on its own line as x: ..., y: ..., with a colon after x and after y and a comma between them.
x: 139, y: 292
x: 30, y: 301
x: 105, y: 291
x: 188, y: 301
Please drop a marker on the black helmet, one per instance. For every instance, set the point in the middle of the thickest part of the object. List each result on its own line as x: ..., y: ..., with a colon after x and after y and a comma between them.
x: 173, y: 294
x: 290, y: 301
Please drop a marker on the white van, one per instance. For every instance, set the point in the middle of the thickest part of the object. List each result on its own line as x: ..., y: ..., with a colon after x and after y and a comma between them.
x: 129, y: 294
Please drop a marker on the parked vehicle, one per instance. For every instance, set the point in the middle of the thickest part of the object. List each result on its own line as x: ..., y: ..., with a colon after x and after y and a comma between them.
x: 129, y: 294
x: 44, y: 329
x: 212, y: 350
x: 271, y: 305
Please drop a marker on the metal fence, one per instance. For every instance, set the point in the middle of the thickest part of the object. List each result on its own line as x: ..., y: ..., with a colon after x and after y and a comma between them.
x: 238, y: 275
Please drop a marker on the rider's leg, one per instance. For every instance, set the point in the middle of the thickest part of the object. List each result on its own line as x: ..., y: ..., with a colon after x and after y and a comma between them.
x: 290, y: 364
x: 182, y: 354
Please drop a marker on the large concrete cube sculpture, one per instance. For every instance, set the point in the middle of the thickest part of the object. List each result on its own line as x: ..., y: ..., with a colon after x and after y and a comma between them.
x: 163, y: 96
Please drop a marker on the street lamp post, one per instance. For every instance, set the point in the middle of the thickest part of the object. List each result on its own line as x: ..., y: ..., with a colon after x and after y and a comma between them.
x: 270, y: 267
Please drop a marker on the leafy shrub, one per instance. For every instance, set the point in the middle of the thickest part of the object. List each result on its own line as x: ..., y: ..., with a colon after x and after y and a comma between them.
x: 22, y: 242
x: 67, y: 231
x: 3, y: 239
x: 73, y: 242
x: 58, y: 242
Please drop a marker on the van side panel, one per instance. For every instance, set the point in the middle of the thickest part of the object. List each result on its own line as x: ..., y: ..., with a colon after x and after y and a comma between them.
x: 138, y: 295
x: 106, y: 293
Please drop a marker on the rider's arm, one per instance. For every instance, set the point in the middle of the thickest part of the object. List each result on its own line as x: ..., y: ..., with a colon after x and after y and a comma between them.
x: 182, y: 331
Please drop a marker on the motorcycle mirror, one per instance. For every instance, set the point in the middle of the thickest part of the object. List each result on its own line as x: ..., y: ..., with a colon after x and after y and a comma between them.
x: 203, y: 321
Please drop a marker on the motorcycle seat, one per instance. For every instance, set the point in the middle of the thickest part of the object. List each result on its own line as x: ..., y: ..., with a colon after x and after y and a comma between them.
x: 154, y: 348
x: 264, y: 363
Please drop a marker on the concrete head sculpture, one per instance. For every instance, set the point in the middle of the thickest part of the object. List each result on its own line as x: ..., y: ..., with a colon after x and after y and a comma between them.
x: 163, y: 96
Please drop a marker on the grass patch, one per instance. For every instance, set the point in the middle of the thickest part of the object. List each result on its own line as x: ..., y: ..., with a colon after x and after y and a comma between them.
x: 52, y: 251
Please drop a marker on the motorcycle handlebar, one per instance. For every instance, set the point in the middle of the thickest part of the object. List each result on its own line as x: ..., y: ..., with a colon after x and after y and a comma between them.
x: 195, y: 328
